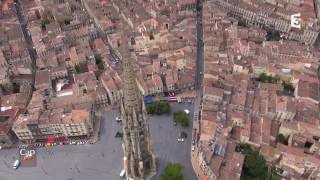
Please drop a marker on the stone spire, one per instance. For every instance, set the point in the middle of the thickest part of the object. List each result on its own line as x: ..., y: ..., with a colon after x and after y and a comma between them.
x: 131, y: 93
x: 139, y: 162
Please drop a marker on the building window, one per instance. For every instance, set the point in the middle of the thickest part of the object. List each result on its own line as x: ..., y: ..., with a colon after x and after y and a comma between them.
x: 133, y: 42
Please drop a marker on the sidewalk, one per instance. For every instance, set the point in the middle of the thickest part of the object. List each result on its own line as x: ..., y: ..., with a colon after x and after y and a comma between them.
x: 195, y: 163
x: 96, y: 130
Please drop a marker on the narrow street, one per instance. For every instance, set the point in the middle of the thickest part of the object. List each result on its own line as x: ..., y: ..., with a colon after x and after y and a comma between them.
x: 101, y: 32
x: 199, y: 88
x: 32, y: 52
x: 200, y: 46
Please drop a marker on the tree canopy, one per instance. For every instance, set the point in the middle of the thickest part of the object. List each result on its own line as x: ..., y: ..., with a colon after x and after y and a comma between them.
x: 255, y: 166
x: 288, y: 87
x: 182, y: 118
x: 99, y: 62
x: 44, y: 22
x: 158, y: 107
x: 173, y: 171
x: 273, y: 36
x: 263, y: 77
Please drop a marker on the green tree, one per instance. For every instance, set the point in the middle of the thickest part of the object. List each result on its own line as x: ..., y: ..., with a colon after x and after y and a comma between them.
x: 255, y: 166
x: 158, y: 107
x: 173, y: 171
x: 99, y: 62
x: 288, y: 87
x: 182, y: 118
x: 77, y: 68
x: 273, y: 36
x: 164, y: 107
x: 273, y: 174
x: 151, y: 108
x: 263, y: 77
x: 44, y: 22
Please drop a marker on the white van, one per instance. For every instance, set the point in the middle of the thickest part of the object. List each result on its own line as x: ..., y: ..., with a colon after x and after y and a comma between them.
x: 118, y: 119
x: 16, y: 164
x: 122, y: 173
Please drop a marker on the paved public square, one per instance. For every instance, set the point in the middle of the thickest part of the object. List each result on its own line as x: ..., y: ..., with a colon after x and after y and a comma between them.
x: 103, y: 160
x: 165, y: 144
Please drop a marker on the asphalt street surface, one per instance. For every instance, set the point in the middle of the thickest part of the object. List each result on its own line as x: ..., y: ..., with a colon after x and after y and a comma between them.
x: 200, y: 48
x: 72, y: 162
x: 165, y: 144
x: 103, y: 160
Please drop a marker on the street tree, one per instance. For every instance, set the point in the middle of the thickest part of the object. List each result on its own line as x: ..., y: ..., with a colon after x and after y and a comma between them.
x: 158, y: 107
x: 182, y: 118
x: 173, y: 171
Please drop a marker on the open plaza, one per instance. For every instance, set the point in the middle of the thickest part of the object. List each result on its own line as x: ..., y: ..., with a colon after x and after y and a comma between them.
x: 103, y: 160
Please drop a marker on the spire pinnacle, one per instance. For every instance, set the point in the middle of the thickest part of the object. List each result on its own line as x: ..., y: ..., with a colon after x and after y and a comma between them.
x: 131, y: 94
x: 140, y: 161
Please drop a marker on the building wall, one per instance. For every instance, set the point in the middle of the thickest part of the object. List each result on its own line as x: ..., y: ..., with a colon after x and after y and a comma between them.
x: 59, y: 74
x: 317, y: 8
x: 5, y: 140
x: 284, y: 116
x: 23, y: 133
x: 44, y: 131
x: 212, y: 98
x: 75, y: 129
x: 114, y: 96
x: 102, y: 100
x: 287, y: 131
x: 171, y: 87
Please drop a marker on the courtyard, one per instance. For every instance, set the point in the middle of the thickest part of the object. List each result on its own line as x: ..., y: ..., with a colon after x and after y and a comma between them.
x: 103, y: 160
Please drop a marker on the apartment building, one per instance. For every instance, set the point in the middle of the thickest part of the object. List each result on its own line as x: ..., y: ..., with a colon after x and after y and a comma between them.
x: 37, y: 125
x: 112, y: 83
x: 266, y: 15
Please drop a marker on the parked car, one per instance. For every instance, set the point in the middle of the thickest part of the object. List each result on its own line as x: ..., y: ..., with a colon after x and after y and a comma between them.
x: 72, y: 142
x: 118, y: 119
x: 119, y: 135
x: 16, y: 164
x: 122, y: 173
x: 192, y: 148
x: 183, y: 135
x: 193, y: 142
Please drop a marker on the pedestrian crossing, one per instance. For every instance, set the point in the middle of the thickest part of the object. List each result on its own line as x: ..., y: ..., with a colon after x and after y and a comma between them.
x: 195, y: 115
